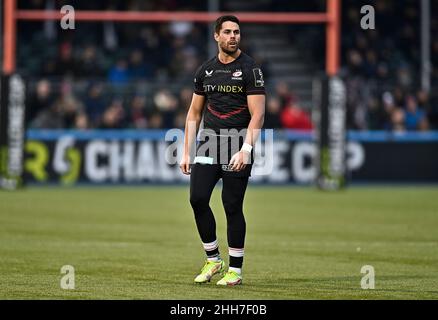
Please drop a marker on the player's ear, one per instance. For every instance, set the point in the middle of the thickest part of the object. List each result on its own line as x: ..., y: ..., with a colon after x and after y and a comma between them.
x: 216, y: 36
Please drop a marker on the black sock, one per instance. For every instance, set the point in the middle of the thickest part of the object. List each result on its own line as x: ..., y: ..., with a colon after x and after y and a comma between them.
x: 236, y: 262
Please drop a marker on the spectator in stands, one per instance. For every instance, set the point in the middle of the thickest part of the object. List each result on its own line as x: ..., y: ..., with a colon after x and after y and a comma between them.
x: 48, y: 118
x: 180, y: 119
x: 382, y: 75
x: 357, y: 99
x: 40, y: 100
x: 81, y: 121
x: 370, y: 64
x: 94, y: 103
x: 398, y: 120
x: 66, y: 64
x: 119, y: 73
x: 423, y: 100
x: 166, y: 104
x: 433, y: 110
x: 375, y: 115
x: 399, y: 96
x: 114, y: 115
x: 415, y: 118
x: 389, y: 107
x: 284, y: 94
x: 294, y: 117
x: 156, y: 121
x: 180, y: 29
x: 272, y: 115
x: 138, y: 68
x: 176, y: 66
x: 404, y: 78
x: 430, y: 107
x: 185, y: 98
x: 69, y: 105
x: 70, y: 108
x: 434, y: 60
x: 191, y: 63
x: 354, y: 62
x: 137, y: 112
x: 90, y: 65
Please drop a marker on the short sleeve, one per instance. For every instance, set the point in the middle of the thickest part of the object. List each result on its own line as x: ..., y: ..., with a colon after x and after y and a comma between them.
x: 255, y: 84
x: 198, y: 81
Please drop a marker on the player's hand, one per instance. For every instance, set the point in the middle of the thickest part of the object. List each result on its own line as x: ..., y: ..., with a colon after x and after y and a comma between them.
x: 239, y: 160
x: 185, y: 164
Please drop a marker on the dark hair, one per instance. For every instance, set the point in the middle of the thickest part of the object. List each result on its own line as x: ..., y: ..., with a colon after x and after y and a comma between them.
x: 222, y: 19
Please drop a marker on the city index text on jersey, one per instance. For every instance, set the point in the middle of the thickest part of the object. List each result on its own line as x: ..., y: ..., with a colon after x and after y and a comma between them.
x: 223, y: 88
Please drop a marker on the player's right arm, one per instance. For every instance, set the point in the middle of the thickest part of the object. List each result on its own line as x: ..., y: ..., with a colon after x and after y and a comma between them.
x: 193, y: 121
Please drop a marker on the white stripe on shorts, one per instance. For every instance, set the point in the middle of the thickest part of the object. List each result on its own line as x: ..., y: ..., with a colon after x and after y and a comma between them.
x: 203, y: 160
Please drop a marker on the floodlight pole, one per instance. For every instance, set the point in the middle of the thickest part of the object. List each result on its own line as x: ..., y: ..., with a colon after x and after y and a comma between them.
x: 425, y: 45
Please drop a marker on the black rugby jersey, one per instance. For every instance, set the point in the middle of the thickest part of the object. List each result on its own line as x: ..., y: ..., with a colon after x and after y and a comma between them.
x: 226, y: 87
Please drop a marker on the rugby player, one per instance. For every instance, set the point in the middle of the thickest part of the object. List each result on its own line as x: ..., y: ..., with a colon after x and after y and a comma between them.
x: 227, y: 109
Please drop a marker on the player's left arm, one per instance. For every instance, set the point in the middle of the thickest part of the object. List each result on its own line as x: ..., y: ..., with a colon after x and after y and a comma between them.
x: 256, y: 106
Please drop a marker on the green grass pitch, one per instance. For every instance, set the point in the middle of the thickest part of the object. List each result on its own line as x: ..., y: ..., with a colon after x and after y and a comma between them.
x: 142, y: 243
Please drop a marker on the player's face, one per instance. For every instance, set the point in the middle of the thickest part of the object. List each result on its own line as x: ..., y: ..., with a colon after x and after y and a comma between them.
x: 228, y: 37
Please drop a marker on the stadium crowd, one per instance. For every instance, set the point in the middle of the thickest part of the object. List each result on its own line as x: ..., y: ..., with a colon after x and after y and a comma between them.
x: 108, y: 75
x: 382, y: 68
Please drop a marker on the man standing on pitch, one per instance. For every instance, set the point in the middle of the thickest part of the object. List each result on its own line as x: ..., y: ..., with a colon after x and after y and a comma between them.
x: 233, y: 87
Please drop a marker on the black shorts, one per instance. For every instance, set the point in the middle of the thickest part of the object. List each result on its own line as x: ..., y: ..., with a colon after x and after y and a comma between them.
x: 216, y: 151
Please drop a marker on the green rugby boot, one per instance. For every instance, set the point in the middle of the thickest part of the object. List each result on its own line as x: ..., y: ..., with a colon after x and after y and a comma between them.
x: 231, y: 278
x: 209, y: 269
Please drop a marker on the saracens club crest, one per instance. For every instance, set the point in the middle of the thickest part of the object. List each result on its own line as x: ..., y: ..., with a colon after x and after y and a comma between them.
x: 237, y: 75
